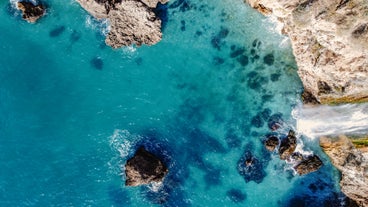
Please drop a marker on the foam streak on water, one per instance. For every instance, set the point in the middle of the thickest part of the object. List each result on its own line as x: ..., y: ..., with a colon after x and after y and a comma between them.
x: 315, y: 121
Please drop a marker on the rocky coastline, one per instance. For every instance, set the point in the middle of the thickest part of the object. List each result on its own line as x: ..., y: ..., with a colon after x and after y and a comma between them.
x: 330, y: 45
x: 31, y: 12
x: 132, y: 22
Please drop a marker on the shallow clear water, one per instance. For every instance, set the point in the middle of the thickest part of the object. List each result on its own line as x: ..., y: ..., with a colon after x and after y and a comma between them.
x: 73, y: 110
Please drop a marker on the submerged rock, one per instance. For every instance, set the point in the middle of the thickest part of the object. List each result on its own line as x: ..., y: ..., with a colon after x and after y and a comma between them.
x: 271, y: 143
x: 144, y: 168
x: 131, y: 21
x: 30, y: 12
x: 353, y: 165
x: 308, y: 164
x: 288, y: 145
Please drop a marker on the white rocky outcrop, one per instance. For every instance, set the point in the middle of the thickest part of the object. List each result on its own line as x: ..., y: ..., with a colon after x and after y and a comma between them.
x: 330, y: 43
x: 131, y: 21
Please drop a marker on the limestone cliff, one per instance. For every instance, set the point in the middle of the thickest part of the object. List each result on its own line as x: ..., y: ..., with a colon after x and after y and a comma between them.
x: 131, y: 21
x: 352, y: 163
x: 330, y: 43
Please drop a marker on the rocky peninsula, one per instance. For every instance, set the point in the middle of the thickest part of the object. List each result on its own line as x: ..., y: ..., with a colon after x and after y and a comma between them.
x: 131, y: 21
x: 31, y: 12
x: 330, y: 44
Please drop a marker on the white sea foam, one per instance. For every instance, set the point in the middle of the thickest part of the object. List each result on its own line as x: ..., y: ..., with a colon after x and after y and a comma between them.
x: 122, y: 141
x: 102, y: 25
x: 316, y: 121
x: 155, y: 186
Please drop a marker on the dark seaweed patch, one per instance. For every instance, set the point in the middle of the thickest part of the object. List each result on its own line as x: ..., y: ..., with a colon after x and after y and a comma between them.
x: 74, y: 36
x: 266, y: 98
x: 266, y: 113
x: 236, y: 195
x: 243, y: 60
x: 182, y: 28
x: 217, y: 40
x: 251, y: 168
x: 232, y: 140
x: 255, y: 81
x: 97, y: 63
x: 257, y: 121
x: 218, y: 60
x: 198, y: 33
x: 139, y: 61
x: 57, y: 31
x: 275, y: 77
x: 269, y: 59
x: 237, y: 52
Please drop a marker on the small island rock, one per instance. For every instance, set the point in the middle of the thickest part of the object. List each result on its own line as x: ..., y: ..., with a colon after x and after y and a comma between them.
x: 308, y: 164
x: 30, y: 12
x: 271, y: 143
x: 144, y: 168
x: 288, y: 145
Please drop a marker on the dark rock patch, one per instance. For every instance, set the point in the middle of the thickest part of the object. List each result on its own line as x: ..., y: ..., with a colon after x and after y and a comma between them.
x: 57, y: 31
x: 323, y: 88
x: 30, y: 12
x: 236, y: 195
x: 198, y: 33
x: 97, y: 63
x: 144, y: 168
x: 288, y: 145
x: 360, y: 30
x: 308, y: 164
x: 269, y: 59
x: 251, y: 168
x: 256, y: 43
x: 271, y: 142
x: 139, y: 61
x: 253, y: 52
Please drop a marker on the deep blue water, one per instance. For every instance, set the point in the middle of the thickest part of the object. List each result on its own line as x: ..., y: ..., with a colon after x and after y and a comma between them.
x: 73, y: 110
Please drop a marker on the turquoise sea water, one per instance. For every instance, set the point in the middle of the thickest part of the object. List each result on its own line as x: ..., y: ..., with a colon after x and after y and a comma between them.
x: 73, y: 110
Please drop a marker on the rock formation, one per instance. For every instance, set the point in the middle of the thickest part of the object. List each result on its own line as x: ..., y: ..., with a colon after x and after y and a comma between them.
x: 30, y: 12
x: 271, y: 143
x: 131, y: 21
x: 353, y: 165
x: 330, y: 43
x: 144, y: 168
x: 308, y: 164
x: 288, y: 145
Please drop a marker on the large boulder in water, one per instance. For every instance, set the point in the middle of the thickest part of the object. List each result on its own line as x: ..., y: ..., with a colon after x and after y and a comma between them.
x: 144, y: 168
x: 308, y: 164
x: 271, y: 143
x: 288, y: 145
x: 30, y: 12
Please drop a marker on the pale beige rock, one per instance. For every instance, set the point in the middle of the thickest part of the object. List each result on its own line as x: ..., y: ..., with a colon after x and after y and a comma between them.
x: 353, y: 165
x: 153, y: 3
x: 131, y: 21
x: 330, y: 44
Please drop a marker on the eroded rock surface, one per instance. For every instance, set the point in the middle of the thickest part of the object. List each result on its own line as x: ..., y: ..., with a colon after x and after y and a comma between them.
x: 330, y: 44
x: 308, y: 164
x: 31, y: 12
x: 144, y: 168
x: 131, y: 21
x: 353, y: 165
x: 288, y: 145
